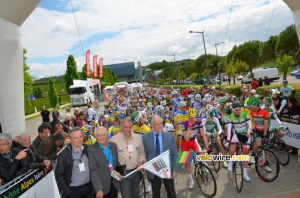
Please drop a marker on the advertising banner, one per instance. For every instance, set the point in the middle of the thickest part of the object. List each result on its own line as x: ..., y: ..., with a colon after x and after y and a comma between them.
x: 88, y: 64
x: 95, y: 66
x: 101, y: 67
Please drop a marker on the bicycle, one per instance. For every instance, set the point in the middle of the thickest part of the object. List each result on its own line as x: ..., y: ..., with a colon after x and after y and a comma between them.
x: 205, y: 178
x: 215, y: 151
x: 142, y: 185
x: 266, y: 163
x: 279, y: 147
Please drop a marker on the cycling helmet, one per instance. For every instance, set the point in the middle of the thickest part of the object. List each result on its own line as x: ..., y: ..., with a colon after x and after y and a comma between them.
x: 222, y: 100
x: 159, y: 108
x: 236, y: 105
x: 128, y: 105
x: 134, y: 101
x: 115, y: 108
x: 206, y: 101
x: 197, y: 97
x: 210, y: 113
x: 121, y: 116
x: 175, y: 92
x: 140, y: 100
x: 169, y: 128
x: 253, y: 101
x: 149, y: 105
x: 163, y: 103
x: 136, y: 117
x: 267, y: 100
x: 122, y: 109
x: 181, y: 104
x: 266, y: 91
x: 192, y: 112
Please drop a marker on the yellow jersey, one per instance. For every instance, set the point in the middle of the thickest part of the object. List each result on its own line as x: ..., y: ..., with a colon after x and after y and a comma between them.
x: 140, y: 130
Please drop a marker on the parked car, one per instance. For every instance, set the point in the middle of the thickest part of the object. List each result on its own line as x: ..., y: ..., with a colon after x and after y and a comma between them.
x: 297, y: 75
x: 294, y: 73
x: 240, y: 77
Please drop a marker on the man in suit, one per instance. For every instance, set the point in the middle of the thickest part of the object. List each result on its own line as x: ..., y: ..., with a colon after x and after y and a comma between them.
x: 103, y: 158
x: 155, y: 143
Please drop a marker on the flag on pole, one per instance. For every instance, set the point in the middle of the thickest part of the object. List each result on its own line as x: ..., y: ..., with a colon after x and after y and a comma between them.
x: 88, y: 66
x: 100, y: 67
x: 95, y: 66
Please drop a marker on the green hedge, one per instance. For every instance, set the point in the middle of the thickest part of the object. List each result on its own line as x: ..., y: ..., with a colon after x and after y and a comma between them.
x: 65, y: 99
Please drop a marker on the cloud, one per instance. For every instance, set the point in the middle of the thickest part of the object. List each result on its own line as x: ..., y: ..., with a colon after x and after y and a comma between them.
x: 147, y: 30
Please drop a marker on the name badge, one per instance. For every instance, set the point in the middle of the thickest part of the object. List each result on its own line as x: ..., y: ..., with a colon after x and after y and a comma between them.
x: 81, y: 167
x: 130, y: 148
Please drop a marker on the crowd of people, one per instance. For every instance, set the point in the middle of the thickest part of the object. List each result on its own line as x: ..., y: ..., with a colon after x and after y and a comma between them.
x: 135, y: 128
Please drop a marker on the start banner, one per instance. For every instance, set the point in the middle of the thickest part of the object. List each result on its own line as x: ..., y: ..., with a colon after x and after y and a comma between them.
x: 38, y: 184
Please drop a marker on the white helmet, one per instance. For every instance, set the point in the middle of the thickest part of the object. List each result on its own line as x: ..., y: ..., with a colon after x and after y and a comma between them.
x: 175, y: 92
x: 163, y: 103
x: 169, y: 128
x: 181, y: 104
x: 197, y: 97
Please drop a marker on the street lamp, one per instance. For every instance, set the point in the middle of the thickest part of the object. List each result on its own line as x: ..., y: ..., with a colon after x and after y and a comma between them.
x: 205, y: 53
x: 175, y: 66
x: 219, y: 65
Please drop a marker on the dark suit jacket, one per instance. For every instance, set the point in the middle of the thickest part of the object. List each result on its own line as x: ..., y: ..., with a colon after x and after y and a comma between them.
x: 99, y: 168
x: 168, y: 143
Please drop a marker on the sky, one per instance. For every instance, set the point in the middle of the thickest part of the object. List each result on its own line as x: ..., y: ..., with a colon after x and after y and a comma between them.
x: 145, y: 31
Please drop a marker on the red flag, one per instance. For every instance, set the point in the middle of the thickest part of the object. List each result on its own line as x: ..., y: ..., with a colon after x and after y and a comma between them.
x: 95, y: 66
x: 88, y: 66
x: 101, y: 67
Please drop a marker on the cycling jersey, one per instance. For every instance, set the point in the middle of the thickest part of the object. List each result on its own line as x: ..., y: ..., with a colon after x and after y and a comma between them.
x: 143, y: 129
x: 210, y: 126
x: 90, y: 141
x: 272, y: 113
x: 113, y: 130
x: 167, y: 119
x: 180, y: 116
x: 201, y: 114
x: 111, y: 120
x: 197, y: 105
x: 194, y: 130
x: 259, y: 118
x: 174, y: 103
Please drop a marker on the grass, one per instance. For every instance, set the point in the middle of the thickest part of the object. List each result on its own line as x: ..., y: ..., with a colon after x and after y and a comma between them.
x: 45, y: 88
x: 38, y: 115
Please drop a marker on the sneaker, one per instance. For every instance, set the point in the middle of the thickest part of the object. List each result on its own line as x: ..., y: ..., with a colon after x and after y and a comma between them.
x: 246, y: 177
x: 252, y: 159
x: 148, y: 187
x: 225, y: 164
x: 229, y: 167
x: 191, y: 184
x: 267, y: 168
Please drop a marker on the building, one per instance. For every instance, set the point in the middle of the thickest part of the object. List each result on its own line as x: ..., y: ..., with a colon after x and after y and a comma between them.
x: 124, y: 71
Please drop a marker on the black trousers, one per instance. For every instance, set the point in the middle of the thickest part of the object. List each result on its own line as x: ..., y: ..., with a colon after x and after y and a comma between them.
x: 156, y: 186
x: 83, y: 191
x: 113, y: 192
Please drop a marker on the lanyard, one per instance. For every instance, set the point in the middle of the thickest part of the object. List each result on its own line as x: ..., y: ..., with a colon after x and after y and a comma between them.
x: 80, y: 159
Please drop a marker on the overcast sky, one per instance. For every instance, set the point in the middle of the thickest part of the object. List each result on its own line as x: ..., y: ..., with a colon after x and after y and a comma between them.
x: 137, y: 30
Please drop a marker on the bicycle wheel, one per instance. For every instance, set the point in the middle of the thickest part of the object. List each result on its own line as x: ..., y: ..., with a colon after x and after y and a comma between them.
x: 216, y: 164
x: 267, y: 165
x: 281, y: 151
x: 206, y: 180
x: 142, y: 186
x: 238, y: 175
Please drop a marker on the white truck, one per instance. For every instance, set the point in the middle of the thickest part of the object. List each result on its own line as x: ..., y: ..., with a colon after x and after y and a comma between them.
x: 271, y: 72
x: 84, y: 91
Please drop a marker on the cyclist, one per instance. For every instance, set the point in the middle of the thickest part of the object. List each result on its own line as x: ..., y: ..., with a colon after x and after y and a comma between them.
x: 238, y: 130
x: 188, y: 103
x: 175, y: 101
x: 191, y: 128
x: 209, y: 124
x: 138, y: 126
x: 197, y: 104
x: 179, y: 116
x: 261, y: 123
x: 116, y: 127
x: 112, y: 118
x: 269, y: 107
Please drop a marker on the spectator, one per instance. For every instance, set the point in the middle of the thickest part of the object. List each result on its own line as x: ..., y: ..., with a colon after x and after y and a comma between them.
x: 166, y: 141
x: 103, y: 158
x: 229, y: 79
x: 76, y: 112
x: 261, y: 101
x: 292, y: 109
x: 65, y: 115
x: 48, y: 147
x: 80, y: 121
x: 72, y: 172
x: 231, y: 98
x: 45, y: 114
x: 286, y: 90
x: 279, y: 103
x: 96, y: 105
x: 126, y: 141
x: 260, y: 82
x: 55, y: 121
x: 224, y: 93
x: 59, y: 129
x: 32, y: 158
x: 91, y: 114
x: 267, y: 81
x: 69, y: 123
x: 12, y: 162
x: 43, y: 133
x: 254, y: 84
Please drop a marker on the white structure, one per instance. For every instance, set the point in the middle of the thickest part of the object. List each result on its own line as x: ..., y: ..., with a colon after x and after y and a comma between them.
x: 294, y: 5
x: 12, y: 16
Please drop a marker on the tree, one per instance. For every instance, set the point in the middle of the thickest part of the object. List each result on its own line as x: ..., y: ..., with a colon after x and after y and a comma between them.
x: 169, y: 80
x: 53, y: 97
x: 108, y: 77
x: 285, y: 64
x: 83, y: 72
x: 241, y: 66
x: 193, y: 76
x: 267, y: 50
x: 71, y: 72
x: 37, y: 92
x: 287, y: 42
x: 28, y: 80
x: 231, y: 70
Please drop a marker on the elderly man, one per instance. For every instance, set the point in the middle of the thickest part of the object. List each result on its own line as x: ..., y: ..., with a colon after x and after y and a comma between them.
x: 44, y: 131
x: 49, y: 147
x: 155, y: 143
x: 32, y: 158
x: 65, y: 115
x: 131, y: 153
x: 103, y: 158
x: 72, y: 172
x: 12, y: 162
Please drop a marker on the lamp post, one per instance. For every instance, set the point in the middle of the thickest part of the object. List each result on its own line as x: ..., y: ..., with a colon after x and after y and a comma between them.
x: 204, y: 52
x: 220, y: 82
x: 175, y: 67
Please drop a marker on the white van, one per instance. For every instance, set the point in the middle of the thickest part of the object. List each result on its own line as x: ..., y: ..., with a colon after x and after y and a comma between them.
x: 271, y: 72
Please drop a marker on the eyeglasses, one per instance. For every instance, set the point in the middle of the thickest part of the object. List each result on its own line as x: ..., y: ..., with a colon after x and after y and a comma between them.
x: 3, y: 145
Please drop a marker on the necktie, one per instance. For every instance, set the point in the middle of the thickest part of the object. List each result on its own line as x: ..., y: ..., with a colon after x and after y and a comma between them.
x: 157, y: 149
